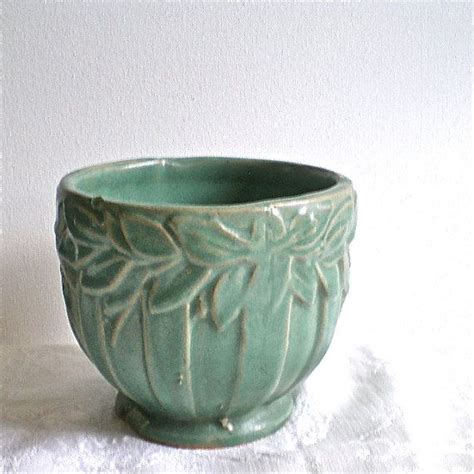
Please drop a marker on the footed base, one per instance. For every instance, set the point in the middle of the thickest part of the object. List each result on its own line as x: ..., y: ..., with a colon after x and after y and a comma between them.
x: 250, y: 426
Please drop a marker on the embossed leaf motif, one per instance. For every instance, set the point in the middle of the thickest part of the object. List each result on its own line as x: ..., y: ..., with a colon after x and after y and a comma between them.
x: 119, y: 306
x: 211, y: 264
x: 210, y: 243
x: 344, y: 265
x: 148, y: 238
x: 338, y: 233
x: 67, y: 249
x: 177, y: 287
x: 268, y: 227
x: 83, y: 224
x: 106, y: 274
x: 306, y: 231
x: 114, y: 232
x: 69, y: 273
x: 131, y: 288
x: 304, y: 280
x: 228, y: 298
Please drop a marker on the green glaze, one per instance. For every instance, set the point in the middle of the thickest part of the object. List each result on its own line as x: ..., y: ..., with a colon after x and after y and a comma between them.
x: 204, y: 289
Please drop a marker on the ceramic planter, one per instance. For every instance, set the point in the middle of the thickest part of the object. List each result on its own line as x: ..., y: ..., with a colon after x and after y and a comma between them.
x: 204, y: 289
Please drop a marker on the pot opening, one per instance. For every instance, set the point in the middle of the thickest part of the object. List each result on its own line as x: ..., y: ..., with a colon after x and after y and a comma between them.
x: 198, y: 181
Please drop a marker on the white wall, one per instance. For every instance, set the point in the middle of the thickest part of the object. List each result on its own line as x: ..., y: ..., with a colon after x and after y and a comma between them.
x: 379, y: 92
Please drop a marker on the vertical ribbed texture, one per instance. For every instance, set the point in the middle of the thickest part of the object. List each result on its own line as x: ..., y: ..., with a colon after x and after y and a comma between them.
x: 81, y: 336
x: 187, y: 357
x: 278, y: 379
x: 148, y: 357
x: 105, y: 352
x: 239, y: 374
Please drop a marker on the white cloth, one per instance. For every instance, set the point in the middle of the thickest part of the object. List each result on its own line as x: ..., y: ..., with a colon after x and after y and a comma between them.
x: 57, y: 416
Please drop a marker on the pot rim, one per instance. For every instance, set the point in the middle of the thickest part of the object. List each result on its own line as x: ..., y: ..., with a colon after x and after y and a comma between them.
x: 342, y: 185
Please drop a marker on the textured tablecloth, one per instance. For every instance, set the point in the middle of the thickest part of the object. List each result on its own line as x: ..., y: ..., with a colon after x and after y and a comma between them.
x: 57, y: 416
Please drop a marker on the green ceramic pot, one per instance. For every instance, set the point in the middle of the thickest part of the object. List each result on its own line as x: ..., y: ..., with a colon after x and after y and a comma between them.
x: 204, y: 289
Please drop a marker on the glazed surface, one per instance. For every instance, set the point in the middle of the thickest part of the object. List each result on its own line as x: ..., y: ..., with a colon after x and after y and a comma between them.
x: 198, y: 181
x: 205, y: 315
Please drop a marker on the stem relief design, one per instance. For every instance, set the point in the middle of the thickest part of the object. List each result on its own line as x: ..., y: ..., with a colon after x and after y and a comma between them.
x: 141, y: 268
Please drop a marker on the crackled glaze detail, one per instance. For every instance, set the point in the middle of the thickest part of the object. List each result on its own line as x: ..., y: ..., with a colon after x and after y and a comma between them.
x: 204, y: 315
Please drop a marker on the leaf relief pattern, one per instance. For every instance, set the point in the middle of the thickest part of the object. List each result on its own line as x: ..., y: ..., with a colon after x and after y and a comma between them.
x: 213, y: 264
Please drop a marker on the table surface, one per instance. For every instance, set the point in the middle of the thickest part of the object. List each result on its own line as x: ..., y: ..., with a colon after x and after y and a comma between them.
x: 58, y: 416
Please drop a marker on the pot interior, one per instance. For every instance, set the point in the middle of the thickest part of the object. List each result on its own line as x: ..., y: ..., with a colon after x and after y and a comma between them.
x: 199, y: 181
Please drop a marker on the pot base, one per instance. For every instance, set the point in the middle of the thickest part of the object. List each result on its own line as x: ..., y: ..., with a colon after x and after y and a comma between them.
x: 206, y: 434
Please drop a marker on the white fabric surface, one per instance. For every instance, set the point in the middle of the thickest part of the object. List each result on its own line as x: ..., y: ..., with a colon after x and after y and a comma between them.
x: 57, y: 416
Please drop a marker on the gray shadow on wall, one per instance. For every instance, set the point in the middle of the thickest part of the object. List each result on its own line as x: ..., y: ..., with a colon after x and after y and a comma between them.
x: 54, y: 391
x: 33, y: 311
